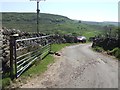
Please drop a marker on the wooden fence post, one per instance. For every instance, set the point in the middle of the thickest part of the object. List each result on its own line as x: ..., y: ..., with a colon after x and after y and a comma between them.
x: 11, y: 57
x: 15, y: 54
x: 51, y: 43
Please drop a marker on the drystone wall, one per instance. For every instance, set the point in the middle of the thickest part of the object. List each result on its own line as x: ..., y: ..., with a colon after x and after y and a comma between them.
x: 1, y: 44
x: 106, y: 43
x: 5, y: 41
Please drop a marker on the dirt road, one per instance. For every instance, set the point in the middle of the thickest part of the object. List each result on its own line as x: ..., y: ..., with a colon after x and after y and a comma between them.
x: 79, y: 67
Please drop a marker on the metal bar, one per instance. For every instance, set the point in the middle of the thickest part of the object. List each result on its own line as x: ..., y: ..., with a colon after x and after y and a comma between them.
x: 46, y: 45
x: 19, y: 40
x: 21, y: 48
x: 28, y: 60
x: 50, y: 47
x: 47, y: 48
x: 23, y: 60
x: 44, y: 49
x: 26, y: 66
x: 24, y: 55
x: 20, y: 70
x: 45, y: 52
x: 27, y: 53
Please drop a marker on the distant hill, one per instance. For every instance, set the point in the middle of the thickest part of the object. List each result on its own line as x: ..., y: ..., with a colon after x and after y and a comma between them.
x: 101, y: 23
x: 111, y: 23
x: 49, y: 23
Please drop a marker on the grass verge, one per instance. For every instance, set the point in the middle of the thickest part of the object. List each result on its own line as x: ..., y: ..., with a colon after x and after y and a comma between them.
x: 41, y: 66
x: 115, y: 52
x: 98, y: 49
x: 58, y: 47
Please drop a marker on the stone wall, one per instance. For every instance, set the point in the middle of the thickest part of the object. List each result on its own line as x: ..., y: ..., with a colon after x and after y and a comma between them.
x: 5, y: 37
x: 106, y: 43
x: 5, y: 50
x: 4, y: 45
x: 1, y: 44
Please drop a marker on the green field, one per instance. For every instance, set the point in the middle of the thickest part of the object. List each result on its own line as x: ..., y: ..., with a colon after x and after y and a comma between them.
x: 50, y: 24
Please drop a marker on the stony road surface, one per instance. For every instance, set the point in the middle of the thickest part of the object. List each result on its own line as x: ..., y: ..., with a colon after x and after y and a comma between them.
x: 79, y: 67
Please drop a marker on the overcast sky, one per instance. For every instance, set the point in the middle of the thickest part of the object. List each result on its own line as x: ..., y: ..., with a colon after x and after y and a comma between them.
x: 87, y: 10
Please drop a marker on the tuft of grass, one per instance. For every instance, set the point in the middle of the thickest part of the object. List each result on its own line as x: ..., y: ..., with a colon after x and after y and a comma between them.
x: 98, y: 49
x: 6, y: 82
x: 115, y: 52
x: 58, y: 47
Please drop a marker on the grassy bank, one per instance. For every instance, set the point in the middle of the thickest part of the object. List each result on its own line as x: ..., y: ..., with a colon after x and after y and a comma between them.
x: 98, y: 49
x: 58, y: 47
x: 38, y: 68
x: 115, y: 52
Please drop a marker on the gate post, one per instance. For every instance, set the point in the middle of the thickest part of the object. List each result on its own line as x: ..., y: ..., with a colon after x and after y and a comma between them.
x: 13, y: 55
x: 50, y: 43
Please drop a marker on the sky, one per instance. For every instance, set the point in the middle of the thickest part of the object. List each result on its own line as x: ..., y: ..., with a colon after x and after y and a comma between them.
x: 87, y: 10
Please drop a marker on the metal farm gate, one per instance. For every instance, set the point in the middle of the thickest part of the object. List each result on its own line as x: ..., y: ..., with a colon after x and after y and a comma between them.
x: 24, y: 52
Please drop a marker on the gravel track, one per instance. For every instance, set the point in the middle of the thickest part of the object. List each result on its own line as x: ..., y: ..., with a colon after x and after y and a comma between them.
x: 78, y: 67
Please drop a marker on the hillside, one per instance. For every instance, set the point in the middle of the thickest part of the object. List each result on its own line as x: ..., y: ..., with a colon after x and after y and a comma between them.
x: 49, y: 23
x: 101, y: 23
